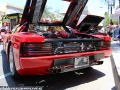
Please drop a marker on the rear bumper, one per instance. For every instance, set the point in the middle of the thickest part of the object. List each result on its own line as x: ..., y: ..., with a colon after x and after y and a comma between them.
x: 40, y: 65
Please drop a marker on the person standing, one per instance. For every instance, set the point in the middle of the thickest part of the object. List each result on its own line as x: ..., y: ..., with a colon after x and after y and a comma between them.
x: 4, y: 28
x: 117, y: 34
x: 110, y: 30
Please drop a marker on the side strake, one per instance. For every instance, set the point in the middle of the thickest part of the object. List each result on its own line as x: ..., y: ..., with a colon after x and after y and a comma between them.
x: 74, y: 12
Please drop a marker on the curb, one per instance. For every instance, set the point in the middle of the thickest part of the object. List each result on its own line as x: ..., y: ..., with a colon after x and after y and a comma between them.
x: 115, y: 62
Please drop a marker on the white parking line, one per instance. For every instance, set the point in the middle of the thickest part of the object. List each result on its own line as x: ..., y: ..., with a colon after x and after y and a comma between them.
x: 5, y: 75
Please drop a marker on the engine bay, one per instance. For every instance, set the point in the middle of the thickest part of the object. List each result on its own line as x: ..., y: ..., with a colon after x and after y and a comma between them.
x: 59, y: 32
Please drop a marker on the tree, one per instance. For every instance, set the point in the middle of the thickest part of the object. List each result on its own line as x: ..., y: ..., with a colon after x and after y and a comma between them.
x: 47, y: 13
x: 106, y: 20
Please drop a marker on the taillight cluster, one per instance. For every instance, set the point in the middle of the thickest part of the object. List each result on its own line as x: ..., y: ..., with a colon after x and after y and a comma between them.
x: 105, y: 44
x: 35, y: 49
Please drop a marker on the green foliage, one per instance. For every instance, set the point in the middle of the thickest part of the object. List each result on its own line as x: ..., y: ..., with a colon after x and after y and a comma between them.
x: 50, y: 14
x: 47, y: 13
x: 115, y: 20
x: 106, y: 20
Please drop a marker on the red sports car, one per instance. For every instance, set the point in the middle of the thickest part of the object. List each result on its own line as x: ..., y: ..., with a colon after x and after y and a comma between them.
x: 43, y: 44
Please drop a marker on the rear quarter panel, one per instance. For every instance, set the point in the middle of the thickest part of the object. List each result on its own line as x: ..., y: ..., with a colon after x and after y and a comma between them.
x: 15, y: 40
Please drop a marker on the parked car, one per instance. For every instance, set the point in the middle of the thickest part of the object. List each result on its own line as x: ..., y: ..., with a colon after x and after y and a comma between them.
x: 53, y: 48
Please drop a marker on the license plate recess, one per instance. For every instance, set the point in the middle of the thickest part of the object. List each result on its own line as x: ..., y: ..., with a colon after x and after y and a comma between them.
x: 81, y: 61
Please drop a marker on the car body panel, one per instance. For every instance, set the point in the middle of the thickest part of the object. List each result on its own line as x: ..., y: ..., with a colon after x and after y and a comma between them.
x: 42, y: 64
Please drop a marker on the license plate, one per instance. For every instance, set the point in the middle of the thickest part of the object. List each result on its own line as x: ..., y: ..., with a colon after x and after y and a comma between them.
x: 81, y: 61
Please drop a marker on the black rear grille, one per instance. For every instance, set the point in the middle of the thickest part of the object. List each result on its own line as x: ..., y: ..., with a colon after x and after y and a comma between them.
x: 60, y: 48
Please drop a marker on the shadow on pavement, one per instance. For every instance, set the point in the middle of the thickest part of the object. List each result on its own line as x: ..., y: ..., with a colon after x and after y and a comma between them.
x: 53, y: 82
x: 5, y: 62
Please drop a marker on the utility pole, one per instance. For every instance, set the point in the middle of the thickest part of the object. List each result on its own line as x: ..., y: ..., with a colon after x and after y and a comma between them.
x: 111, y: 5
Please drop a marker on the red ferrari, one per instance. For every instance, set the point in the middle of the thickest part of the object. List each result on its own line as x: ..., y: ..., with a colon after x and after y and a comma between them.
x: 43, y: 44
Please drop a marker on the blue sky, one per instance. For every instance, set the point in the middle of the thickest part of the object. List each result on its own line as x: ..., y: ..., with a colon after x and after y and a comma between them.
x: 94, y: 6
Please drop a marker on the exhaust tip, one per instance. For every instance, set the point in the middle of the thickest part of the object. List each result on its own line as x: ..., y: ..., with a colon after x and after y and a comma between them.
x: 99, y: 63
x: 54, y: 71
x: 59, y: 70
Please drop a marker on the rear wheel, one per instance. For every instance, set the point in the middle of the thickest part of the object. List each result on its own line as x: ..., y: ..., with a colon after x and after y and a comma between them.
x: 3, y: 48
x: 13, y: 71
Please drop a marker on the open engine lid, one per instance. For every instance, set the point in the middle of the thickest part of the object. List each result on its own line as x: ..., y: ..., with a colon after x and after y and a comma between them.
x: 89, y: 22
x: 98, y: 27
x: 41, y: 11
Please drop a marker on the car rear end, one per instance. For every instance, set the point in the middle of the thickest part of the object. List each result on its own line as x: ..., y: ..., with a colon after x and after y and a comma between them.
x: 59, y: 56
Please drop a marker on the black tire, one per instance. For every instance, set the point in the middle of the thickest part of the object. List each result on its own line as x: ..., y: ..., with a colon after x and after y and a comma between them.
x: 13, y: 70
x: 3, y: 48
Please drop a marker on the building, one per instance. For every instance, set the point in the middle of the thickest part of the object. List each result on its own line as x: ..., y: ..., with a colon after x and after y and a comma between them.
x: 13, y: 9
x: 117, y: 16
x: 6, y: 8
